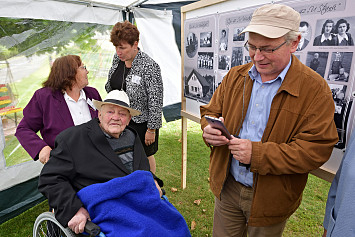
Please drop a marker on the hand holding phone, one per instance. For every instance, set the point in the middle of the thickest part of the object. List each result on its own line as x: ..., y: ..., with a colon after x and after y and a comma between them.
x: 218, y: 124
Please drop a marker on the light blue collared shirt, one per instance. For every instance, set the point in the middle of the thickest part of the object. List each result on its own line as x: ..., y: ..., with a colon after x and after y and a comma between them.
x: 256, y: 118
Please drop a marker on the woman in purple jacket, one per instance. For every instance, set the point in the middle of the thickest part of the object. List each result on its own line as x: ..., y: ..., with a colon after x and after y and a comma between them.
x: 64, y: 101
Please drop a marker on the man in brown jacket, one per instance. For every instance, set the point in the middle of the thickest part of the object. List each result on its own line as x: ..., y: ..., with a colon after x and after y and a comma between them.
x: 283, y: 113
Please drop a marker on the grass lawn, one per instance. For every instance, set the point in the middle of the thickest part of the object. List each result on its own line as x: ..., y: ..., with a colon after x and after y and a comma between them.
x: 306, y: 221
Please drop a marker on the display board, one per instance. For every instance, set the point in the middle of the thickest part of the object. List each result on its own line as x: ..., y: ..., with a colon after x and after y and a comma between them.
x: 212, y: 45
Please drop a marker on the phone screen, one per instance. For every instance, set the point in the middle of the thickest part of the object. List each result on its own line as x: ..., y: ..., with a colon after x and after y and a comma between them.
x: 218, y: 124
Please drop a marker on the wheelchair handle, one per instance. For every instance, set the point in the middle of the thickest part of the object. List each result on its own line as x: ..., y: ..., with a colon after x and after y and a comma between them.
x: 92, y: 229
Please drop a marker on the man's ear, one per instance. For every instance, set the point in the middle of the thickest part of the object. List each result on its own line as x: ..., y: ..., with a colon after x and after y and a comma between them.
x: 294, y: 44
x: 129, y: 119
x: 99, y: 114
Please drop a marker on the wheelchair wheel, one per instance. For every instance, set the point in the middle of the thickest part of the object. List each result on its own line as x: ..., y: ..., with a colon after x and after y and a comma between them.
x: 47, y: 225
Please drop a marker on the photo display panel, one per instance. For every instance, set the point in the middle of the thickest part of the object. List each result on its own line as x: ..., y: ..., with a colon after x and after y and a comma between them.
x: 213, y: 45
x: 200, y: 58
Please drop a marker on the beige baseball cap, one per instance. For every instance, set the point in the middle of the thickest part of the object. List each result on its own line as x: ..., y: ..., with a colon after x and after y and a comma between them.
x: 274, y: 21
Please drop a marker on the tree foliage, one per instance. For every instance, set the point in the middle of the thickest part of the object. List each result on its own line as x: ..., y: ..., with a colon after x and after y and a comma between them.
x: 34, y: 36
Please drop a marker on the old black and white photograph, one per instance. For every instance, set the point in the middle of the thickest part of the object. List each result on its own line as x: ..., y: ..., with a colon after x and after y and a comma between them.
x: 224, y: 62
x: 317, y: 61
x: 236, y: 34
x: 205, y: 60
x: 326, y: 36
x: 223, y: 41
x: 340, y: 66
x: 342, y: 110
x: 206, y: 39
x: 198, y: 87
x: 306, y: 34
x: 334, y: 32
x: 191, y: 45
x: 342, y: 32
x: 237, y: 56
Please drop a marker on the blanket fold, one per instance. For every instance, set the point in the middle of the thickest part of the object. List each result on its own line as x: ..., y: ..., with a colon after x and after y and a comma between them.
x: 131, y: 206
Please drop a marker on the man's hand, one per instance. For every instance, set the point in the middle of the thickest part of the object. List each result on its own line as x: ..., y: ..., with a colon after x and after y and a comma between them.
x: 214, y: 136
x: 241, y: 149
x: 77, y: 223
x: 44, y: 154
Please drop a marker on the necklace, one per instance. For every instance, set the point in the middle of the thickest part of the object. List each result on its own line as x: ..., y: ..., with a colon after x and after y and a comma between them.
x: 123, y: 76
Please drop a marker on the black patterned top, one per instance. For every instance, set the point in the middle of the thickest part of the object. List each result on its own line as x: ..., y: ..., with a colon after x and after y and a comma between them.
x: 144, y: 87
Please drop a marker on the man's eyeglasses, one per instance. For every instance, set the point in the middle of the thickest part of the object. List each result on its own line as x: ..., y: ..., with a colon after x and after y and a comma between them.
x: 252, y: 48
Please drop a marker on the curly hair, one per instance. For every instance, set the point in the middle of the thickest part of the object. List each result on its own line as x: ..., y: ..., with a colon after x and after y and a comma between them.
x: 63, y: 73
x: 325, y: 24
x: 341, y: 21
x: 124, y: 32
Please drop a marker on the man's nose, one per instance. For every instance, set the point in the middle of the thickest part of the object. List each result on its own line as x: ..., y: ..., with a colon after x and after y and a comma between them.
x: 258, y: 55
x: 116, y: 116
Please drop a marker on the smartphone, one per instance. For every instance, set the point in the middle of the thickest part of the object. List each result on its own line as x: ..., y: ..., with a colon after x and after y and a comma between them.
x: 218, y: 124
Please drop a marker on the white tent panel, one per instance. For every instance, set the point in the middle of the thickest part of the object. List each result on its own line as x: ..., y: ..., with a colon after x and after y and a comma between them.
x: 55, y: 10
x: 157, y: 39
x: 10, y: 176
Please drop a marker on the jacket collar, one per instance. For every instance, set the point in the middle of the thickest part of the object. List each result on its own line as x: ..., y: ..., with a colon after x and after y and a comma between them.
x: 99, y: 141
x: 291, y: 83
x: 137, y: 59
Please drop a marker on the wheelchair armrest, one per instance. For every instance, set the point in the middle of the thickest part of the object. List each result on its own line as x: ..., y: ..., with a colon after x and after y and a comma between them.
x: 92, y: 229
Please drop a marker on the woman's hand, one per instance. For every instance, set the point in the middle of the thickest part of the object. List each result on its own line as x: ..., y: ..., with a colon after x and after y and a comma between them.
x: 158, y: 187
x: 149, y: 137
x: 44, y: 154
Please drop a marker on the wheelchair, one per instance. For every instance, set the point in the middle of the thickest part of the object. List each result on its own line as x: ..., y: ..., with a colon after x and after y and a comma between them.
x: 47, y: 225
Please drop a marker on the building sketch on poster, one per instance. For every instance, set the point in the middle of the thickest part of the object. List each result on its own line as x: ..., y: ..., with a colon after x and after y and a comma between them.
x: 327, y: 46
x: 200, y: 58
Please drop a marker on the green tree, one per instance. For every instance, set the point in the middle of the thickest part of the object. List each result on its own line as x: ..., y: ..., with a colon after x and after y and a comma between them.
x: 34, y: 36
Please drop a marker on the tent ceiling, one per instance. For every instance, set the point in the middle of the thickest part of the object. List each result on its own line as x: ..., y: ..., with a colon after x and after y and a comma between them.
x: 121, y: 4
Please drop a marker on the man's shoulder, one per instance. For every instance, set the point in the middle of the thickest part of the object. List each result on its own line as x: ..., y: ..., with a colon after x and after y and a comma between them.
x: 241, y: 69
x: 74, y: 131
x: 307, y: 77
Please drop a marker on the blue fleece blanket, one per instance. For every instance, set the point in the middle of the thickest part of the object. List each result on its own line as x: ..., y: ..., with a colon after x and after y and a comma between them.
x: 131, y: 206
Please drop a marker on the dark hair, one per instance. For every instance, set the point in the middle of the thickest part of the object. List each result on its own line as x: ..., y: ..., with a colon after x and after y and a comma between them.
x: 341, y: 21
x: 325, y: 24
x: 63, y: 73
x: 124, y: 32
x: 304, y: 23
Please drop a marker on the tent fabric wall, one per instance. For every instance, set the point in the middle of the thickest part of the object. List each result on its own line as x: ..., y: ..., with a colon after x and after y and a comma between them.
x: 160, y: 45
x: 157, y: 39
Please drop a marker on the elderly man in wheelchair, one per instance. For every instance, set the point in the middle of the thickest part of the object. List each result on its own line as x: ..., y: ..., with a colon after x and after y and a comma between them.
x: 99, y: 171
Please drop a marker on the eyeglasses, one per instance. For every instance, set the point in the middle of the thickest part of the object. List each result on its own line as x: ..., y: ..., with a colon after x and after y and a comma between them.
x: 83, y: 67
x: 252, y: 48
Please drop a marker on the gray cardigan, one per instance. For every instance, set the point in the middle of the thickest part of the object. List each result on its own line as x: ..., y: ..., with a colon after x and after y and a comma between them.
x: 144, y: 88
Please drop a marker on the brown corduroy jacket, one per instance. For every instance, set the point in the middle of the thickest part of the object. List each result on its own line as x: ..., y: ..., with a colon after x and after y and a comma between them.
x: 298, y: 138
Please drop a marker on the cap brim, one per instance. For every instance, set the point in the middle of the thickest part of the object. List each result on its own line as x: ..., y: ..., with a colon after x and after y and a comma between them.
x: 98, y: 105
x: 267, y: 31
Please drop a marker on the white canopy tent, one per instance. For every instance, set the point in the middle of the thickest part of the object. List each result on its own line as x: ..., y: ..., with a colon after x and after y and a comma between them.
x: 157, y: 39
